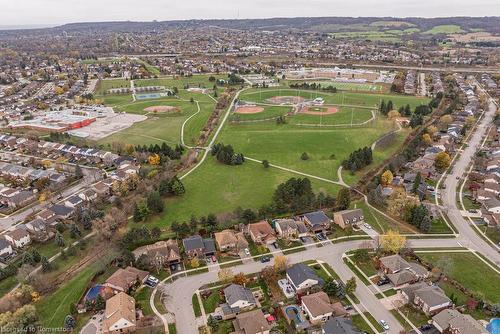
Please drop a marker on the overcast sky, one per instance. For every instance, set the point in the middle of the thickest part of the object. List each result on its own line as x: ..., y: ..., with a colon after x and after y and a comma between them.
x: 54, y: 12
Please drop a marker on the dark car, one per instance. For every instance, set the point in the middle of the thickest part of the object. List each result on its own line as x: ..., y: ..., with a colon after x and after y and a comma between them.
x: 426, y: 327
x: 383, y: 281
x: 265, y: 259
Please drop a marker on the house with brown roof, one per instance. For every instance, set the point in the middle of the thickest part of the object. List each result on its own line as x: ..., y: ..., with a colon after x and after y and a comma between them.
x: 290, y: 228
x: 18, y: 238
x: 262, y: 233
x: 401, y: 272
x: 453, y: 322
x: 230, y: 240
x: 126, y: 279
x: 348, y: 217
x: 430, y: 299
x: 319, y: 308
x: 161, y: 253
x: 119, y: 315
x: 252, y: 322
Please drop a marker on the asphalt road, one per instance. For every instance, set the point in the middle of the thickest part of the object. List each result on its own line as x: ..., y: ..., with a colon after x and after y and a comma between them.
x: 179, y: 293
x: 468, y: 237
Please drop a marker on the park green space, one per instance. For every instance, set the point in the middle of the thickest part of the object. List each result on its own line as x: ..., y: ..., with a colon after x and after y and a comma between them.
x: 284, y: 144
x: 344, y: 116
x: 468, y: 270
x: 195, y: 81
x: 104, y: 85
x: 217, y: 188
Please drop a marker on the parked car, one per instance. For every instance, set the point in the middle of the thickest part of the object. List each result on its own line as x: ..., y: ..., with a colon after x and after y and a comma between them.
x: 214, y: 259
x: 383, y: 281
x: 367, y: 226
x: 426, y: 327
x: 265, y: 259
x: 302, y: 239
x: 320, y: 236
x: 247, y: 251
x: 348, y: 307
x: 384, y: 324
x: 218, y: 317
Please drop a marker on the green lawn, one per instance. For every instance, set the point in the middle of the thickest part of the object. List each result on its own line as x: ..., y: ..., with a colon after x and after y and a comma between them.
x: 211, y: 302
x: 269, y: 112
x: 196, y: 305
x: 229, y: 187
x: 7, y: 284
x: 345, y: 116
x: 103, y: 87
x: 361, y: 324
x: 350, y: 86
x: 195, y: 81
x: 469, y: 271
x: 52, y: 309
x: 142, y: 299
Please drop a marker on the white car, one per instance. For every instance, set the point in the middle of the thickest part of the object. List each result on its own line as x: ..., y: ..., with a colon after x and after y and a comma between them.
x: 247, y: 252
x: 368, y: 226
x: 384, y: 324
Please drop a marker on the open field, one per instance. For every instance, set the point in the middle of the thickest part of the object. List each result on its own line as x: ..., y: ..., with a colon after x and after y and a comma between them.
x: 283, y: 144
x: 269, y: 112
x: 201, y: 81
x: 445, y: 29
x: 217, y: 188
x: 351, y: 86
x: 469, y: 271
x: 104, y: 85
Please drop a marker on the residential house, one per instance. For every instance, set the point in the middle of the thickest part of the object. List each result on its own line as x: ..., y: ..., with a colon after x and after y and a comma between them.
x: 450, y: 321
x: 18, y: 237
x: 262, y: 233
x: 252, y: 322
x: 348, y: 217
x: 101, y: 188
x: 239, y: 297
x: 400, y: 272
x: 161, y: 253
x: 230, y: 240
x: 302, y: 277
x: 88, y: 195
x: 339, y: 325
x: 38, y: 229
x: 492, y: 205
x: 430, y: 299
x: 119, y: 315
x: 319, y: 308
x: 73, y: 201
x: 61, y: 211
x: 5, y: 248
x: 123, y: 280
x: 290, y: 228
x: 317, y: 221
x: 196, y: 246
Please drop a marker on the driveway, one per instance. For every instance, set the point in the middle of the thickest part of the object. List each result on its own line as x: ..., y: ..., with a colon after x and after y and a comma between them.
x: 93, y: 326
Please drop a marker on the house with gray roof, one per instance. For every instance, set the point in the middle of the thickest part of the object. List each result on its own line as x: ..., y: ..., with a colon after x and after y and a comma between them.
x: 339, y: 325
x: 239, y: 297
x: 430, y: 299
x: 317, y: 221
x: 302, y: 277
x: 5, y: 248
x: 196, y: 246
x: 452, y: 321
x: 290, y: 228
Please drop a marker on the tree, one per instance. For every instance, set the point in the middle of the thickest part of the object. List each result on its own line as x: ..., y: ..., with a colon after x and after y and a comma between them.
x: 442, y: 161
x: 416, y: 183
x: 154, y: 202
x: 386, y: 177
x: 154, y: 159
x: 446, y: 119
x: 393, y: 114
x: 343, y: 198
x: 265, y: 163
x: 59, y: 240
x: 350, y: 285
x: 427, y: 139
x: 392, y: 241
x: 225, y: 275
x: 280, y: 263
x: 240, y: 279
x: 431, y: 130
x: 330, y: 287
x: 74, y: 231
x: 46, y: 265
x: 304, y: 156
x: 78, y: 172
x: 194, y: 263
x: 99, y: 303
x: 69, y: 322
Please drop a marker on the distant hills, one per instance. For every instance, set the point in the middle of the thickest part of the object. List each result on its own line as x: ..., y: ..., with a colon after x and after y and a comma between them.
x: 312, y: 24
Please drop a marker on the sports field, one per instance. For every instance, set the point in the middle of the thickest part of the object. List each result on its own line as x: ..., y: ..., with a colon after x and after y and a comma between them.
x: 351, y: 86
x: 341, y: 98
x: 270, y: 112
x: 344, y: 116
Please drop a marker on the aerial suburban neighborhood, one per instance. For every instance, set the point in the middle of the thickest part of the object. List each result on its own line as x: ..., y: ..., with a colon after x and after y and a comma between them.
x: 307, y: 173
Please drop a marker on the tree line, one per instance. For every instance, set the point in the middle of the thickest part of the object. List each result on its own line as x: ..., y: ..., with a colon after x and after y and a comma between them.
x: 358, y: 159
x: 314, y: 86
x: 225, y: 154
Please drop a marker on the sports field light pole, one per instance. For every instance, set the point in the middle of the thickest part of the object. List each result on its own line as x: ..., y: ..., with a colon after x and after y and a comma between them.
x: 352, y: 115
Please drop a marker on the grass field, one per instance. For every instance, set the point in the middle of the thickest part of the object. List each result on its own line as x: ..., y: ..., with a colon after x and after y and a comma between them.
x: 104, y: 85
x: 53, y: 309
x: 217, y: 188
x: 284, y: 144
x: 445, y: 29
x: 344, y: 116
x: 201, y: 81
x: 469, y: 271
